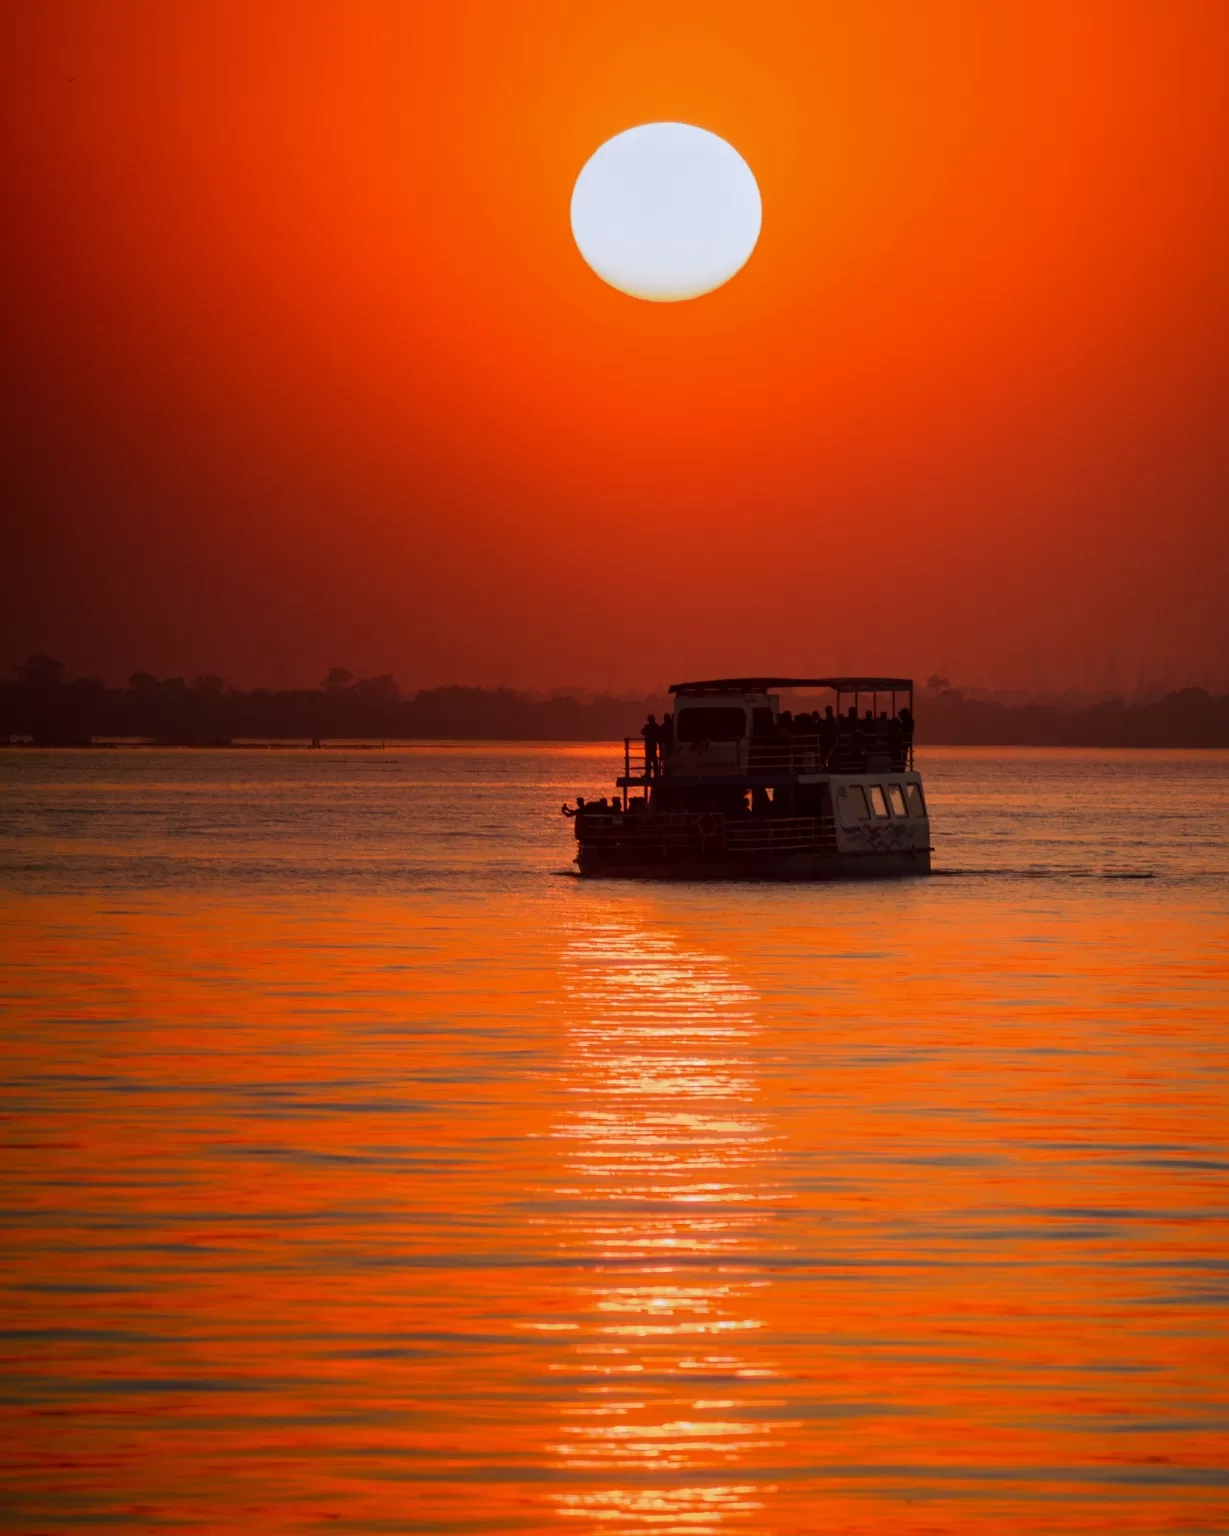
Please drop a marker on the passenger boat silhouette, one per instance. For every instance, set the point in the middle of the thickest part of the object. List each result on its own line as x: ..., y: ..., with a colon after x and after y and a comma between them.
x: 733, y: 787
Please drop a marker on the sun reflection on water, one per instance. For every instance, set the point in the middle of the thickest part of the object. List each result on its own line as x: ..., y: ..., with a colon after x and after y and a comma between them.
x: 668, y: 1199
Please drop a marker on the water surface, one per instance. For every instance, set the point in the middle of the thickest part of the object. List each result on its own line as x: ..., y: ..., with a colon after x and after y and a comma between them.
x: 364, y: 1171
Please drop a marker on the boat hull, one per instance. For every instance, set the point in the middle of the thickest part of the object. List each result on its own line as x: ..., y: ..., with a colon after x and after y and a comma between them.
x: 869, y: 826
x: 896, y: 865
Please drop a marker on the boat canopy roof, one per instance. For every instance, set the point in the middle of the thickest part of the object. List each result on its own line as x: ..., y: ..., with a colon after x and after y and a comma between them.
x: 764, y: 684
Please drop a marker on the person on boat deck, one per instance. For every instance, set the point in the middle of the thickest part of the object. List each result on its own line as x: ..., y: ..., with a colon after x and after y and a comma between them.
x: 665, y: 740
x: 867, y: 743
x: 651, y: 732
x: 906, y: 730
x: 829, y: 730
x: 895, y: 740
x: 857, y: 735
x: 882, y: 731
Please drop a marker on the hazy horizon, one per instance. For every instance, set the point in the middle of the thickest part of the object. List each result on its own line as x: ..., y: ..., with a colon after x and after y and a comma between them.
x: 1106, y: 684
x: 1098, y: 680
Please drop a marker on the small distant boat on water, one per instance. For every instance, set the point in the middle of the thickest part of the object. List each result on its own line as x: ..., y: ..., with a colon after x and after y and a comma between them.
x: 733, y: 787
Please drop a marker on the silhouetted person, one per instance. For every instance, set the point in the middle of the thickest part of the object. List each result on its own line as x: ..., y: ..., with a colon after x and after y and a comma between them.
x: 857, y: 739
x: 665, y: 745
x: 651, y: 732
x: 906, y: 732
x: 896, y: 742
x: 829, y: 729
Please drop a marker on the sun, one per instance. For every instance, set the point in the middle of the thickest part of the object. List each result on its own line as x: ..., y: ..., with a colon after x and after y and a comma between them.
x: 666, y: 211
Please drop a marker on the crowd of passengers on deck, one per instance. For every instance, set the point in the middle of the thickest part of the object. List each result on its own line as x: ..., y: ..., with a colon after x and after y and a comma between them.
x: 844, y: 743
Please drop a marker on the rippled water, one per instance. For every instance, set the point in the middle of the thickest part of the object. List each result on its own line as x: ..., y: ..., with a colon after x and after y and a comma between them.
x: 364, y: 1172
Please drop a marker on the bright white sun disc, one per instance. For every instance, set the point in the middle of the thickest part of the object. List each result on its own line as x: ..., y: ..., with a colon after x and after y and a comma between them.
x: 666, y: 211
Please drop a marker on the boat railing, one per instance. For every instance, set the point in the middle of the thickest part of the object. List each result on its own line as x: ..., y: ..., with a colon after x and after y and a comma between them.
x: 635, y: 758
x: 709, y: 834
x: 811, y: 754
x: 800, y: 754
x: 778, y: 834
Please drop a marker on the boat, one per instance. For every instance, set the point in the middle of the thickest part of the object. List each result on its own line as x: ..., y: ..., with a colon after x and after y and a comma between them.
x: 732, y: 787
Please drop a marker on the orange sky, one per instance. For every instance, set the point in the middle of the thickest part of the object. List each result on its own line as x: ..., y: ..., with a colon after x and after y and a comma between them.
x: 302, y: 367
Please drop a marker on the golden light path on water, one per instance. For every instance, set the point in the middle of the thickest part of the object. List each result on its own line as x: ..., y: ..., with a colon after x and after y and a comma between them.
x: 667, y: 1150
x: 359, y: 1173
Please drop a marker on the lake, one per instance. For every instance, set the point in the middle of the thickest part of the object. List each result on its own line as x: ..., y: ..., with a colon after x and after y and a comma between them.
x: 366, y: 1171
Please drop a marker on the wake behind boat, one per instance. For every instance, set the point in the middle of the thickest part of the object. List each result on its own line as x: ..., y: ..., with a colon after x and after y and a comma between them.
x: 733, y: 787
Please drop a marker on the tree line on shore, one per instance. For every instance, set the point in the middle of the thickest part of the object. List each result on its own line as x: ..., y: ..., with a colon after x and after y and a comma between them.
x: 40, y: 703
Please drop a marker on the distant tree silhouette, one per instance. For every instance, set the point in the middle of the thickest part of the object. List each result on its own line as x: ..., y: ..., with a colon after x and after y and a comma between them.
x: 40, y: 703
x: 40, y: 672
x: 378, y: 690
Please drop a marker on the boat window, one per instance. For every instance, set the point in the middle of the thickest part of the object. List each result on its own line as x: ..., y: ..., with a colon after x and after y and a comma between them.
x: 917, y: 805
x: 710, y: 724
x: 896, y: 796
x: 853, y: 805
x: 878, y: 801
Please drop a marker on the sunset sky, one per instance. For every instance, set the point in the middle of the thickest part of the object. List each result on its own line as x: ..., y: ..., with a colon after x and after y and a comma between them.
x: 302, y: 366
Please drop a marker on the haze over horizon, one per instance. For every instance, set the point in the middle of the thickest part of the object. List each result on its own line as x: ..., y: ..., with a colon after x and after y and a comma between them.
x: 1102, y: 678
x: 303, y: 368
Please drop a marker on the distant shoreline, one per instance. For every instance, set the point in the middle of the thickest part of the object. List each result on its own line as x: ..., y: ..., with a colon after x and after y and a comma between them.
x: 42, y: 709
x: 462, y: 743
